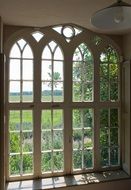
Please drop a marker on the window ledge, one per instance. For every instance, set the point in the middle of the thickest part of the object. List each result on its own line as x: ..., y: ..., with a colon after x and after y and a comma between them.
x: 66, y: 181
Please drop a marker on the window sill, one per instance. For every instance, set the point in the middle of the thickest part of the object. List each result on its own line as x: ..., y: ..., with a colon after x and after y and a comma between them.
x: 66, y: 181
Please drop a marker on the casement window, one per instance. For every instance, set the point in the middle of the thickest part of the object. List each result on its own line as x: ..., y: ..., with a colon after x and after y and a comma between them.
x: 63, y: 103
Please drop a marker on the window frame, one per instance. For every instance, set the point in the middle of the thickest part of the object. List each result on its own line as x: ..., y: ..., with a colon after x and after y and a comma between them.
x: 68, y: 50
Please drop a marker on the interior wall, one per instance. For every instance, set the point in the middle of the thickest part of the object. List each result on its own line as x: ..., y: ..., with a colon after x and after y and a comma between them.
x: 127, y: 109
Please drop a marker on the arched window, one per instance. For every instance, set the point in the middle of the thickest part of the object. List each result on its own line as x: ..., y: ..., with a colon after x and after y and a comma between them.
x: 63, y: 103
x: 20, y: 119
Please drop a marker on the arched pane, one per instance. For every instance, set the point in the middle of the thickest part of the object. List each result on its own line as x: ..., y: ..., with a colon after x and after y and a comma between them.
x: 109, y: 73
x: 58, y: 55
x: 15, y: 51
x: 46, y: 53
x: 82, y: 74
x: 52, y: 45
x: 109, y: 55
x: 27, y: 53
x: 21, y: 43
x: 77, y: 55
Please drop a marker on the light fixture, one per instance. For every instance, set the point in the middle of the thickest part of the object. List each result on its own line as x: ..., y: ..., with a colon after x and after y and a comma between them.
x: 115, y: 17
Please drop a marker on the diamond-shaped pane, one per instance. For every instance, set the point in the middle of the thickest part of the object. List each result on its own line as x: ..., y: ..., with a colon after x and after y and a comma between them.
x: 37, y: 35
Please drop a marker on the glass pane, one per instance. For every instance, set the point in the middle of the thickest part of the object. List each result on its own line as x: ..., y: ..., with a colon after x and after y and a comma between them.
x: 27, y: 142
x: 114, y: 91
x: 104, y: 91
x: 113, y: 71
x: 77, y: 55
x: 104, y: 71
x: 77, y: 139
x: 46, y: 53
x: 77, y: 119
x: 88, y: 141
x: 14, y: 121
x: 14, y: 164
x: 114, y: 136
x: 58, y: 139
x: 14, y: 92
x: 27, y: 70
x: 46, y: 70
x: 77, y: 71
x: 46, y: 92
x: 68, y: 31
x: 82, y: 118
x: 14, y: 69
x: 27, y: 123
x: 114, y: 156
x: 14, y: 142
x: 104, y: 118
x: 104, y: 141
x: 88, y: 157
x: 37, y: 35
x: 58, y: 158
x: 87, y: 73
x: 88, y: 92
x: 104, y: 157
x: 58, y: 91
x: 46, y: 140
x: 57, y: 119
x: 76, y: 91
x: 21, y: 43
x: 27, y: 164
x: 15, y: 51
x: 46, y: 119
x: 46, y: 162
x: 27, y: 95
x: 77, y: 159
x: 52, y: 45
x: 58, y: 71
x: 114, y: 117
x: 58, y: 55
x: 27, y: 53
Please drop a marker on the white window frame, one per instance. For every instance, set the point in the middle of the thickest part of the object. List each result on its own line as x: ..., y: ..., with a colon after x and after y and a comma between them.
x: 68, y: 50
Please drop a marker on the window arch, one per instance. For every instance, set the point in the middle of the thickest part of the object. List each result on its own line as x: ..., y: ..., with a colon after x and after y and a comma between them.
x: 52, y: 73
x: 21, y: 72
x: 82, y: 74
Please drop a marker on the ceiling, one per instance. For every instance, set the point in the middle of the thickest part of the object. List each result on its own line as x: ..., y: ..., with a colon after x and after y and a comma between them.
x: 40, y: 13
